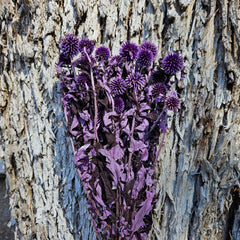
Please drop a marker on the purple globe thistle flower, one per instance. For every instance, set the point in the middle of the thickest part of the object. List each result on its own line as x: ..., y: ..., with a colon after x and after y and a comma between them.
x: 102, y: 53
x: 119, y: 104
x: 135, y: 80
x: 158, y: 76
x: 172, y: 63
x: 159, y: 89
x: 69, y: 45
x: 82, y: 80
x: 145, y: 58
x: 117, y: 86
x: 87, y: 44
x: 129, y: 51
x: 84, y: 63
x: 172, y: 102
x: 151, y: 47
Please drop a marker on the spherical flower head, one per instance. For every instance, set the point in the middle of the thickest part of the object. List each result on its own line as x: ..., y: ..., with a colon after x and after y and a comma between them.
x: 172, y: 63
x: 144, y: 58
x: 69, y: 45
x: 129, y: 51
x: 115, y: 61
x: 83, y: 62
x: 151, y: 47
x: 172, y: 102
x: 159, y: 89
x: 87, y: 45
x: 63, y: 59
x: 158, y: 76
x: 102, y: 53
x: 119, y: 104
x: 135, y: 80
x: 83, y: 79
x: 117, y: 86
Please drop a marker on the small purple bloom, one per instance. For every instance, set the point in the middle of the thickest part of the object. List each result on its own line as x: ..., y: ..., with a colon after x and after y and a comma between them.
x: 83, y: 62
x: 117, y: 86
x: 135, y: 80
x: 63, y: 59
x: 82, y: 80
x: 129, y: 51
x: 159, y: 89
x: 158, y: 76
x: 151, y: 47
x: 86, y: 44
x: 172, y: 102
x: 69, y: 45
x: 119, y: 104
x: 102, y: 53
x: 145, y: 58
x: 172, y: 63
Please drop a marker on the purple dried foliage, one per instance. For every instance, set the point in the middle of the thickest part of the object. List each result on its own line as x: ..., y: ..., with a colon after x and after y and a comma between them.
x: 119, y: 104
x: 115, y: 132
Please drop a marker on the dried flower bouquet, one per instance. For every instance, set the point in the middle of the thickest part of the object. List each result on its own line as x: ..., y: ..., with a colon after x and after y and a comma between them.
x: 116, y: 111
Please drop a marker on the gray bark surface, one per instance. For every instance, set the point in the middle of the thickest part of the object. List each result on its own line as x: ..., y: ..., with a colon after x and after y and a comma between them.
x: 200, y: 161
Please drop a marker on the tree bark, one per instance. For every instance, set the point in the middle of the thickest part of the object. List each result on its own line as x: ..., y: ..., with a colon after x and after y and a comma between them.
x: 198, y: 168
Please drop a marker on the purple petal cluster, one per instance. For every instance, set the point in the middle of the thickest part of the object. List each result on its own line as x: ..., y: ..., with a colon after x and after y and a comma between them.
x: 102, y: 53
x: 116, y: 109
x: 135, y: 80
x: 117, y: 86
x: 69, y: 45
x: 86, y: 45
x: 128, y: 51
x: 172, y: 63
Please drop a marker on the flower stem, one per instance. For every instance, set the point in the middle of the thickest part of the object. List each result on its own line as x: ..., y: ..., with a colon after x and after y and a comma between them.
x: 155, y: 124
x: 95, y: 99
x: 159, y: 150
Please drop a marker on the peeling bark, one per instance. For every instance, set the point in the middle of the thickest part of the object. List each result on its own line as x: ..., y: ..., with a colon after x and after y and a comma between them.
x: 200, y: 161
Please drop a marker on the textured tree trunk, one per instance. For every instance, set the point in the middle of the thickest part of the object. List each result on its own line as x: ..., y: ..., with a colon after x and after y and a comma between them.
x: 198, y: 169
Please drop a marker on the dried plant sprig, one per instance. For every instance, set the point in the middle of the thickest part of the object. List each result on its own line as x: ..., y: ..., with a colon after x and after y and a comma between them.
x: 116, y: 112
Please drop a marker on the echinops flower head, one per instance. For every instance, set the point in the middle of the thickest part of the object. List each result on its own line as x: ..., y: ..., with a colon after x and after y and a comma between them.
x: 86, y: 45
x: 172, y: 63
x: 129, y: 51
x: 69, y: 45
